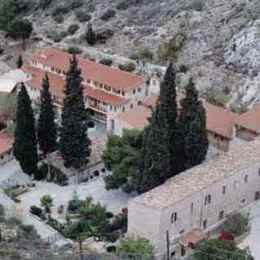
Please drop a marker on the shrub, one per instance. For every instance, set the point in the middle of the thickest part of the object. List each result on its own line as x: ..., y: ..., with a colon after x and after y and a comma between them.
x: 44, y: 3
x: 82, y: 16
x: 73, y: 28
x: 96, y: 173
x: 111, y: 249
x: 237, y: 224
x: 109, y: 215
x: 107, y: 62
x: 74, y: 50
x: 60, y: 10
x: 103, y: 35
x: 217, y: 97
x: 57, y: 36
x: 77, y: 4
x: 41, y: 173
x: 130, y: 67
x: 36, y: 211
x: 110, y: 13
x: 183, y: 68
x: 58, y: 18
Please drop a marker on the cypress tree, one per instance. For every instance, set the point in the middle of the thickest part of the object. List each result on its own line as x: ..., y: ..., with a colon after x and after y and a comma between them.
x: 91, y: 37
x: 19, y: 62
x: 74, y: 141
x: 47, y: 132
x: 155, y: 163
x: 169, y: 112
x: 25, y: 145
x: 192, y: 124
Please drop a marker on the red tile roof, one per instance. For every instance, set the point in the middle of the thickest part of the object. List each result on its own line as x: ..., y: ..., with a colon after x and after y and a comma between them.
x: 136, y: 118
x: 115, y: 78
x: 6, y: 142
x: 250, y: 120
x: 57, y: 84
x: 219, y: 120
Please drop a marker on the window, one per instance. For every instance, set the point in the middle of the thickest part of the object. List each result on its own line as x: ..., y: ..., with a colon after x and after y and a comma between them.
x: 174, y: 217
x: 183, y: 251
x: 246, y: 178
x: 131, y: 106
x: 134, y: 91
x: 235, y: 184
x: 259, y: 172
x: 139, y: 89
x: 221, y: 215
x: 205, y: 223
x: 224, y: 190
x: 123, y: 93
x: 139, y: 103
x: 257, y: 195
x: 208, y: 199
x: 123, y: 109
x: 191, y: 208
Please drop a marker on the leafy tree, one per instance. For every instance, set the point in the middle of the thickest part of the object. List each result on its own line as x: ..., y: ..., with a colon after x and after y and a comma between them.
x: 19, y: 62
x: 25, y: 145
x: 91, y: 37
x: 192, y: 125
x: 74, y: 141
x: 219, y: 249
x: 122, y: 156
x: 47, y: 132
x: 20, y: 29
x: 47, y: 202
x: 237, y: 224
x: 136, y: 246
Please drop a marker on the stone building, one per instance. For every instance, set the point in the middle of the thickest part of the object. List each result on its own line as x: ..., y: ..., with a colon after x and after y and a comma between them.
x: 197, y: 200
x: 107, y: 91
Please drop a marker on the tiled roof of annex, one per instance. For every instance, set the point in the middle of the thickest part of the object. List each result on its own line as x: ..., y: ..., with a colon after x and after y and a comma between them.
x: 219, y: 120
x: 200, y: 177
x: 115, y: 78
x: 57, y: 84
x: 250, y: 120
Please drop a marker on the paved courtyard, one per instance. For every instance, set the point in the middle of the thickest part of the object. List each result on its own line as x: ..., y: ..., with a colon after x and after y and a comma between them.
x: 114, y: 200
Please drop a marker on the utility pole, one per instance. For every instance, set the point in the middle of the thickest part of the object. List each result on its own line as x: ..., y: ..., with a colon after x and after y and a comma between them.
x: 167, y: 246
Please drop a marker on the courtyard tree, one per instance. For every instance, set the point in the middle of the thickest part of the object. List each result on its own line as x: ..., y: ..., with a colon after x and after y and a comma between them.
x: 135, y: 247
x: 74, y: 142
x: 46, y: 203
x: 47, y: 131
x: 25, y: 145
x: 219, y: 249
x: 122, y: 157
x: 192, y: 125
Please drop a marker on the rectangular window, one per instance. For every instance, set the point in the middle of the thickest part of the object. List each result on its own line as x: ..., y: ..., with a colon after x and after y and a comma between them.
x: 205, y: 223
x: 174, y: 217
x: 221, y: 215
x: 224, y: 190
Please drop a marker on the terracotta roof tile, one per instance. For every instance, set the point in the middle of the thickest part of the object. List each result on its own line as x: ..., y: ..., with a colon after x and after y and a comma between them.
x: 219, y: 120
x: 6, y: 142
x: 57, y: 84
x: 115, y: 78
x: 136, y: 118
x: 250, y: 120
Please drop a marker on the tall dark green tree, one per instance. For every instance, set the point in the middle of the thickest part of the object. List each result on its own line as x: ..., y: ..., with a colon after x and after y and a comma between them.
x: 168, y: 112
x: 19, y: 62
x: 47, y: 131
x: 74, y: 141
x: 25, y: 145
x: 155, y: 164
x: 192, y: 125
x: 159, y: 148
x: 91, y: 36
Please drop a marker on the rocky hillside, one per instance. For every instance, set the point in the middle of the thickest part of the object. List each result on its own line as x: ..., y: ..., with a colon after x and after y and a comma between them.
x: 218, y: 40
